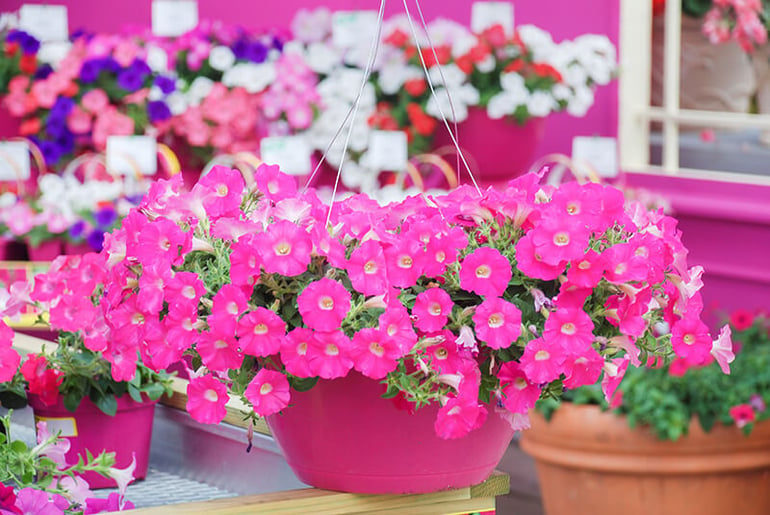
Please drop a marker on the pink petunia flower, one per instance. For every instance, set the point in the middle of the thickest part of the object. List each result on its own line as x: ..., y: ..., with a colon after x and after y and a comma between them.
x: 560, y: 238
x: 431, y: 309
x: 396, y: 325
x: 486, y: 272
x: 543, y: 361
x: 223, y: 191
x: 296, y: 350
x: 206, y: 399
x: 229, y: 301
x: 274, y: 184
x: 367, y: 268
x: 624, y: 265
x: 284, y: 248
x: 324, y: 304
x: 531, y: 262
x: 520, y: 394
x: 584, y: 369
x: 722, y: 349
x: 458, y: 417
x: 373, y: 355
x: 268, y: 392
x: 742, y: 414
x: 218, y: 348
x: 570, y: 329
x: 330, y: 358
x: 690, y: 340
x: 184, y: 288
x: 260, y: 332
x: 586, y: 271
x: 497, y: 322
x: 244, y: 262
x: 614, y: 371
x: 405, y: 261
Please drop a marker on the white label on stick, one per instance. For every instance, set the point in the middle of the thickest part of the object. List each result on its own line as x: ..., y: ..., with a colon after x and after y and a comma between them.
x: 129, y: 155
x: 388, y: 150
x: 65, y: 426
x: 14, y: 161
x: 45, y: 22
x: 353, y: 28
x: 172, y: 18
x: 600, y: 153
x: 290, y: 153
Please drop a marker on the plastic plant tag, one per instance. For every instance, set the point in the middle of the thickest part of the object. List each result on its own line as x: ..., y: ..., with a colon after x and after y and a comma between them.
x: 174, y: 17
x: 600, y: 153
x: 131, y: 155
x: 14, y: 161
x: 353, y: 28
x: 388, y: 151
x: 489, y: 14
x: 53, y: 52
x: 290, y: 153
x: 65, y: 426
x: 45, y: 22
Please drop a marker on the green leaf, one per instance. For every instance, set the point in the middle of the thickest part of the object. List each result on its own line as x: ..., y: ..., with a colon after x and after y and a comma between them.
x: 107, y: 403
x: 302, y: 384
x: 134, y: 392
x: 72, y: 400
x: 154, y: 391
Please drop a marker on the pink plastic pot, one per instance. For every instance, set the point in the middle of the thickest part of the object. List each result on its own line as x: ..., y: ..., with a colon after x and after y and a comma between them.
x: 46, y: 251
x: 73, y: 249
x: 342, y: 435
x: 496, y: 150
x: 128, y: 433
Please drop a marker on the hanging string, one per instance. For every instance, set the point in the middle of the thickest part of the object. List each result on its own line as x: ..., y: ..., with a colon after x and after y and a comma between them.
x: 433, y: 90
x: 367, y: 72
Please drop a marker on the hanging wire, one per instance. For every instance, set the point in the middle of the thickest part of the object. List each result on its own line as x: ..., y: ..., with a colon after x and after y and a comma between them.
x: 433, y: 90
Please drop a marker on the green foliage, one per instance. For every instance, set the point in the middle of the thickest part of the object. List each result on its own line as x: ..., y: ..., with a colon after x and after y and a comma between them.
x: 667, y: 403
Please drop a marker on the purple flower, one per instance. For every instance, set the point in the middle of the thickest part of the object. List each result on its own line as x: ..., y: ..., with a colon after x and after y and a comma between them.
x: 278, y: 43
x: 157, y: 111
x: 42, y: 72
x: 62, y: 107
x: 96, y: 240
x: 105, y: 217
x: 132, y: 78
x: 51, y: 151
x: 240, y: 48
x: 257, y: 52
x: 76, y: 230
x: 28, y: 43
x: 90, y: 70
x: 165, y: 84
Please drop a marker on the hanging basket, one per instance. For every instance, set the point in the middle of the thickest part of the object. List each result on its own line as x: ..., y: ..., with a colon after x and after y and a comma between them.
x: 128, y: 433
x: 342, y: 435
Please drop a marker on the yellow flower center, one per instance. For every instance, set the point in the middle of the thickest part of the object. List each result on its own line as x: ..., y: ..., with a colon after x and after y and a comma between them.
x: 222, y: 190
x: 441, y: 353
x: 332, y: 350
x: 210, y: 395
x: 376, y: 349
x: 435, y: 309
x: 265, y: 389
x: 370, y: 267
x: 584, y: 265
x: 282, y: 248
x: 561, y: 239
x: 232, y: 308
x: 542, y: 355
x: 495, y: 320
x: 302, y: 349
x: 483, y: 272
x: 568, y: 329
x: 405, y: 262
x: 689, y: 339
x: 326, y: 303
x: 138, y: 318
x: 188, y: 292
x: 519, y: 383
x: 220, y: 344
x: 260, y: 329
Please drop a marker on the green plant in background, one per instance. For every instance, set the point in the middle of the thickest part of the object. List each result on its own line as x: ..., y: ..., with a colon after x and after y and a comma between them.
x: 667, y: 398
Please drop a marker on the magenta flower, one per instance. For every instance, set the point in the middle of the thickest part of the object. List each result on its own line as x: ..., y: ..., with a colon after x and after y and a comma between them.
x: 444, y: 357
x: 586, y: 271
x: 486, y: 272
x: 531, y: 262
x: 520, y: 394
x: 691, y: 341
x: 113, y: 502
x: 296, y: 351
x: 614, y: 371
x: 405, y: 260
x: 330, y: 358
x: 9, y: 362
x: 458, y: 417
x: 396, y: 325
x: 160, y: 239
x: 624, y: 265
x: 218, y: 348
x: 268, y: 392
x: 721, y: 349
x: 31, y: 501
x: 431, y: 309
x: 260, y: 332
x: 498, y: 323
x: 742, y: 414
x: 324, y: 304
x: 229, y: 301
x: 274, y: 184
x: 244, y: 262
x: 542, y: 361
x: 367, y: 269
x: 206, y: 399
x: 222, y: 191
x: 560, y: 238
x: 584, y: 369
x: 284, y: 248
x: 184, y: 288
x: 569, y: 328
x: 373, y: 355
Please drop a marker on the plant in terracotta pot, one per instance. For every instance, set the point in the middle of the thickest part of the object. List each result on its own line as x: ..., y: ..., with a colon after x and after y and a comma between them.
x: 701, y: 431
x: 39, y: 480
x: 392, y: 348
x: 73, y: 384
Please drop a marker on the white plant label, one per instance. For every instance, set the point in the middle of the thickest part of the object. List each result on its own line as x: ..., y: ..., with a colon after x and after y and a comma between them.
x: 353, y: 28
x: 65, y: 426
x: 172, y: 18
x: 290, y: 153
x: 129, y: 155
x: 489, y: 14
x: 388, y: 150
x: 14, y: 161
x: 45, y: 22
x: 600, y: 153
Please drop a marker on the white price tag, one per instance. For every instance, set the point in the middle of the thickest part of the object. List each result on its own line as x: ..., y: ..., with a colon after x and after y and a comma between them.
x: 129, y: 155
x: 489, y: 14
x: 14, y: 161
x: 290, y: 153
x: 600, y: 153
x: 388, y: 151
x: 353, y: 28
x: 45, y: 22
x: 174, y: 17
x: 65, y: 426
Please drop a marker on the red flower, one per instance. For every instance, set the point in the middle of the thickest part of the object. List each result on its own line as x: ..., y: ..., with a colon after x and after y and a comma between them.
x: 397, y: 38
x: 42, y: 381
x: 28, y: 64
x: 443, y: 53
x: 742, y: 414
x: 465, y: 63
x: 480, y: 52
x: 29, y: 126
x: 547, y: 71
x: 741, y: 319
x: 494, y: 35
x: 8, y: 500
x: 516, y: 66
x: 11, y: 49
x: 415, y: 87
x: 424, y: 124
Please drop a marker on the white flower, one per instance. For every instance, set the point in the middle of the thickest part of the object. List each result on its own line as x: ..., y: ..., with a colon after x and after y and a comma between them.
x: 53, y: 52
x: 581, y: 101
x: 538, y: 41
x: 312, y: 26
x: 449, y: 76
x: 358, y: 177
x: 200, y: 89
x: 392, y: 77
x: 501, y: 105
x: 157, y: 59
x: 322, y: 58
x: 440, y: 106
x: 251, y: 76
x: 155, y: 94
x: 7, y: 199
x: 512, y: 82
x: 540, y: 104
x: 487, y: 65
x: 463, y: 44
x: 221, y: 58
x: 177, y: 103
x: 446, y: 32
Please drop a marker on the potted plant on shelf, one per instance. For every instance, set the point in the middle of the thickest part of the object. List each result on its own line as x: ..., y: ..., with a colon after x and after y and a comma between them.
x: 39, y: 480
x: 74, y: 386
x: 448, y: 315
x: 681, y: 439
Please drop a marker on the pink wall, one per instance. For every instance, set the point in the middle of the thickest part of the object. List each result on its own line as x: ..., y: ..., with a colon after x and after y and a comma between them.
x: 563, y: 18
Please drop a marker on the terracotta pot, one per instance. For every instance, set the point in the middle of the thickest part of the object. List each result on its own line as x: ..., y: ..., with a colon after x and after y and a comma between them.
x: 592, y: 462
x: 128, y: 434
x: 712, y: 77
x: 342, y: 435
x: 496, y: 150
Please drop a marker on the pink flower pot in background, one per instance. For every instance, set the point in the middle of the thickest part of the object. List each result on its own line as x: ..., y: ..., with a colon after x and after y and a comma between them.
x: 342, y: 435
x: 496, y: 150
x: 127, y: 434
x: 73, y: 249
x: 46, y: 251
